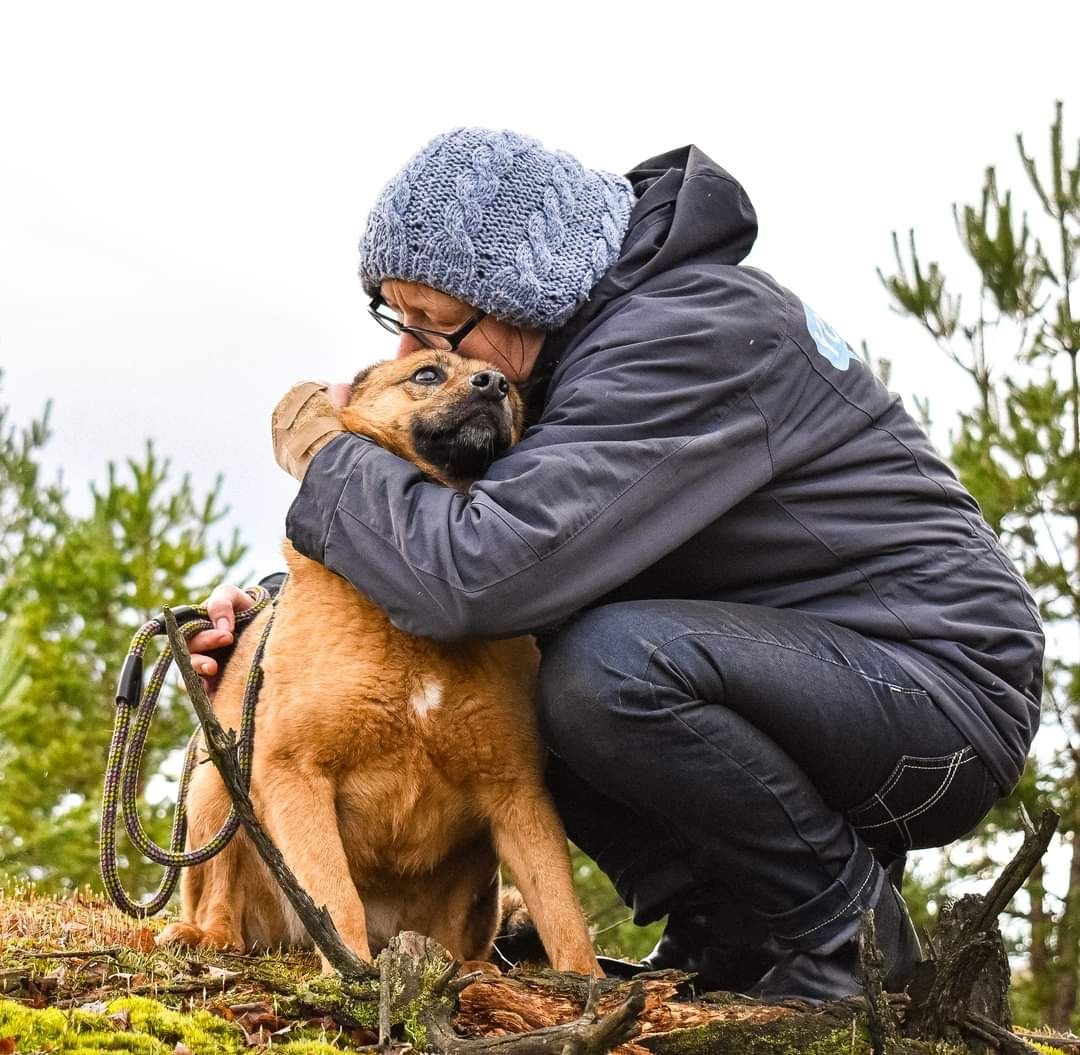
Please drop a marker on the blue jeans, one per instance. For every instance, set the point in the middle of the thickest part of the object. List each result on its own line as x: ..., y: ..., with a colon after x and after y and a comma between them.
x: 751, y: 758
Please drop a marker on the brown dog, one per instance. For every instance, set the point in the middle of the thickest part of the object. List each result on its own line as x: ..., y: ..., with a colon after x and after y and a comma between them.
x: 392, y: 772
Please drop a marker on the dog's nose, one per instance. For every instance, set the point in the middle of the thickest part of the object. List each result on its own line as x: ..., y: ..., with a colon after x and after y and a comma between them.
x: 490, y: 384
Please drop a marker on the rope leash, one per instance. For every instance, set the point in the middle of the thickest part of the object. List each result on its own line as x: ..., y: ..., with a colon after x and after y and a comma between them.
x: 135, y: 710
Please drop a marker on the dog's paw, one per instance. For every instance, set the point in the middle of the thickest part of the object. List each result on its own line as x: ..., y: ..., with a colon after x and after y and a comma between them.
x: 180, y: 934
x: 190, y: 936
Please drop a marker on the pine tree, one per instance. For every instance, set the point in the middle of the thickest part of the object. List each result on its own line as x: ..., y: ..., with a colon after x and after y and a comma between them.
x: 1017, y: 449
x: 73, y: 590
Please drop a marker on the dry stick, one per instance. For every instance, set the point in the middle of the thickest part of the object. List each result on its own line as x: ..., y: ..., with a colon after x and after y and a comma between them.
x: 1015, y: 873
x: 221, y: 747
x: 879, y: 1017
x: 998, y: 1037
x: 1049, y: 1038
x: 410, y: 959
x: 59, y: 954
x: 587, y: 1035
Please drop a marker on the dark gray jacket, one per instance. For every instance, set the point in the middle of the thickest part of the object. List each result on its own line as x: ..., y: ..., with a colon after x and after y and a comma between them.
x: 704, y: 435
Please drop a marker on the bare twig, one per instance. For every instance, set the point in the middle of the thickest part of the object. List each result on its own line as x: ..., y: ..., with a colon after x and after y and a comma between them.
x: 1050, y: 1038
x: 1015, y: 873
x: 998, y: 1037
x: 59, y: 954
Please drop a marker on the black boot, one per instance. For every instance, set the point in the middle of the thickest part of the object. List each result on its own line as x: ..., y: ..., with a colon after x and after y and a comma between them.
x: 694, y: 941
x: 832, y: 971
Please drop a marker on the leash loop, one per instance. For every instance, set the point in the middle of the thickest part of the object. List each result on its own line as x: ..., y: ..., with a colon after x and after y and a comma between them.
x: 135, y: 710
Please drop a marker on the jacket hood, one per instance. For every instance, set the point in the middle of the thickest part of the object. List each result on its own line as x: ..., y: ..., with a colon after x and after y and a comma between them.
x: 687, y: 206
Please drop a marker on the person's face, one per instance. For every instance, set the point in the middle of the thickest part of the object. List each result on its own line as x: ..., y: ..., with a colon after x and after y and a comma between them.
x: 510, y: 349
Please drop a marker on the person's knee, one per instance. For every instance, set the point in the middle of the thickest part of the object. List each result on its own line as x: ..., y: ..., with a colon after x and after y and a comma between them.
x: 581, y: 670
x: 568, y: 688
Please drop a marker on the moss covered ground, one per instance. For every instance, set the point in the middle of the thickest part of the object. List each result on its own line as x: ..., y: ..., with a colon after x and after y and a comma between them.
x: 76, y: 975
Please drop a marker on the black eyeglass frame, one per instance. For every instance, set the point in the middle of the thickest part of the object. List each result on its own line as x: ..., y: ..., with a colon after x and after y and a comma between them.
x: 455, y: 338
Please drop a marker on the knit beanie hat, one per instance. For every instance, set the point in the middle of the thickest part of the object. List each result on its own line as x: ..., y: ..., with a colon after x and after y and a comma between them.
x: 496, y: 220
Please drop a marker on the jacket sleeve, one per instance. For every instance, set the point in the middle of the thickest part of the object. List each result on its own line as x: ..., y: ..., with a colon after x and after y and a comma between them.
x: 643, y: 443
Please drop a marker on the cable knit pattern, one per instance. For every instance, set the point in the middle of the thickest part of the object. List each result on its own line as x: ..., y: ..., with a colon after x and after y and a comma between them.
x: 495, y: 219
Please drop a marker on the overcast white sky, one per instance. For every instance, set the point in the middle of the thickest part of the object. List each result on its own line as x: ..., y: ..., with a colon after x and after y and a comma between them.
x: 182, y: 186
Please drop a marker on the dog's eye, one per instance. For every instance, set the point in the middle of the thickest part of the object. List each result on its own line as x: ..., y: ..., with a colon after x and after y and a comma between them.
x: 428, y: 375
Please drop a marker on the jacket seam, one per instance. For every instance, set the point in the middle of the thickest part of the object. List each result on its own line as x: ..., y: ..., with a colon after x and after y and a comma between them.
x: 510, y: 527
x: 763, y: 372
x: 768, y: 444
x: 874, y: 423
x: 907, y: 689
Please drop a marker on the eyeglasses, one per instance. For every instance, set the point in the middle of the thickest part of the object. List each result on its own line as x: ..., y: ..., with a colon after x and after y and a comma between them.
x: 443, y: 342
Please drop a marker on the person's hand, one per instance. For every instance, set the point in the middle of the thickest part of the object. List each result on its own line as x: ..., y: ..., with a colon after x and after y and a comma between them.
x: 221, y: 608
x: 304, y: 421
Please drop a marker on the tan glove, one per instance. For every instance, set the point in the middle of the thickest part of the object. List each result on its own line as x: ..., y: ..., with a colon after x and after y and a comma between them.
x: 302, y: 424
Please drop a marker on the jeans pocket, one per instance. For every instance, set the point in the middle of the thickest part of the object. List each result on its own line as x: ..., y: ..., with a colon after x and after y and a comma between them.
x: 926, y: 801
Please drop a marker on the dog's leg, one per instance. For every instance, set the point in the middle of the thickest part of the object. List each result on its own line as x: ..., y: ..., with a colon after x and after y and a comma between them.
x: 302, y: 820
x: 531, y: 841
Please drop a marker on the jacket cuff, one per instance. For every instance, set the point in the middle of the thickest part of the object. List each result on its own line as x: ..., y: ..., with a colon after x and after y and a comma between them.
x: 311, y: 515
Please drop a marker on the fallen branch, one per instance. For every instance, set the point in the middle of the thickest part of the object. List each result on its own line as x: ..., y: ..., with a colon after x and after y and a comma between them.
x: 1050, y: 1038
x: 410, y: 959
x: 1000, y: 1039
x: 221, y: 747
x: 963, y: 992
x: 59, y: 954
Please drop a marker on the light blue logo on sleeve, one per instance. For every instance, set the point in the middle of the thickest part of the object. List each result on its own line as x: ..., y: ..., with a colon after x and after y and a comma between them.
x: 829, y: 343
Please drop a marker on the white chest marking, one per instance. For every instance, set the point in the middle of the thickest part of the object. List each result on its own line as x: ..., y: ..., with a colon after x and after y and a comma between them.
x: 426, y: 696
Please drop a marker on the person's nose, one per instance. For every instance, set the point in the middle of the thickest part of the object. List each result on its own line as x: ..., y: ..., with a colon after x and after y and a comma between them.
x: 490, y: 384
x: 407, y: 344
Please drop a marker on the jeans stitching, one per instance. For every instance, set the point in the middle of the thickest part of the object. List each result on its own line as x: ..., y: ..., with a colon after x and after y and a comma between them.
x: 945, y: 785
x: 789, y: 648
x: 916, y: 811
x: 802, y: 652
x: 903, y: 766
x: 802, y: 934
x: 901, y: 828
x: 926, y: 806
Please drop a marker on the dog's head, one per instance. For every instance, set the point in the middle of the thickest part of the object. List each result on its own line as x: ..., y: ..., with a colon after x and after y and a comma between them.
x: 449, y: 415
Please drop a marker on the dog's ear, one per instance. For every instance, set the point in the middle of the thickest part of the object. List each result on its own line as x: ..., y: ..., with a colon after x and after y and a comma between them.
x: 360, y: 378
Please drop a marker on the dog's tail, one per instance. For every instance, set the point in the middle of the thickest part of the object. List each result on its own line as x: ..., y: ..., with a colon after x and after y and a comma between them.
x: 518, y: 940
